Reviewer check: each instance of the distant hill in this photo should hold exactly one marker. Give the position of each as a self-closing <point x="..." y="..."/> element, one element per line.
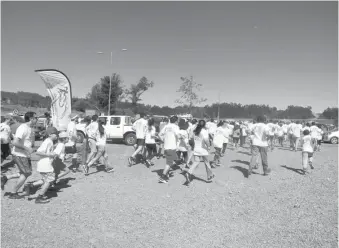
<point x="25" y="99"/>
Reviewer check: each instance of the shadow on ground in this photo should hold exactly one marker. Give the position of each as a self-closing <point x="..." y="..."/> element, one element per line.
<point x="299" y="171"/>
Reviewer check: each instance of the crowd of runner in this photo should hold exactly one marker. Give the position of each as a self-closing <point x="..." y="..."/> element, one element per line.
<point x="183" y="143"/>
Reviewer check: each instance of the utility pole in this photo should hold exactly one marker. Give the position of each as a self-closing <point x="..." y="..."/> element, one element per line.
<point x="218" y="106"/>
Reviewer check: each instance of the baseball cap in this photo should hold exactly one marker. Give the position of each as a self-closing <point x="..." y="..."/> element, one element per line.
<point x="63" y="134"/>
<point x="51" y="130"/>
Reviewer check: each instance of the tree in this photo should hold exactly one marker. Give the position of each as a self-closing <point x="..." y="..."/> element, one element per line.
<point x="136" y="90"/>
<point x="330" y="113"/>
<point x="189" y="95"/>
<point x="99" y="95"/>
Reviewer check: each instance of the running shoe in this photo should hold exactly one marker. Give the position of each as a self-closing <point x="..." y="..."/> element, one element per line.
<point x="3" y="182"/>
<point x="15" y="196"/>
<point x="267" y="172"/>
<point x="41" y="200"/>
<point x="163" y="179"/>
<point x="311" y="165"/>
<point x="130" y="161"/>
<point x="110" y="170"/>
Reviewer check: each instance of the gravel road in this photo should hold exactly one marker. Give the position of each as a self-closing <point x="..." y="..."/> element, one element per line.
<point x="129" y="208"/>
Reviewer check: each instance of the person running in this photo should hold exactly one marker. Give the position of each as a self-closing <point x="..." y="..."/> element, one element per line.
<point x="183" y="145"/>
<point x="44" y="165"/>
<point x="218" y="141"/>
<point x="191" y="140"/>
<point x="243" y="131"/>
<point x="59" y="168"/>
<point x="307" y="150"/>
<point x="296" y="131"/>
<point x="162" y="124"/>
<point x="6" y="137"/>
<point x="236" y="135"/>
<point x="101" y="150"/>
<point x="227" y="132"/>
<point x="170" y="136"/>
<point x="260" y="145"/>
<point x="23" y="148"/>
<point x="92" y="131"/>
<point x="280" y="134"/>
<point x="271" y="133"/>
<point x="201" y="148"/>
<point x="320" y="133"/>
<point x="140" y="127"/>
<point x="211" y="127"/>
<point x="84" y="149"/>
<point x="150" y="142"/>
<point x="70" y="146"/>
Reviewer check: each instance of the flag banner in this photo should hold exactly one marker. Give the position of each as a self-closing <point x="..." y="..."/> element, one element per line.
<point x="60" y="91"/>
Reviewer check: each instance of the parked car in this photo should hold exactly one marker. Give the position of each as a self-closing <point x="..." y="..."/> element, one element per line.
<point x="331" y="136"/>
<point x="116" y="127"/>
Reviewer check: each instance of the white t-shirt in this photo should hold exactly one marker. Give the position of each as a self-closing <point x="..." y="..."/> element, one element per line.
<point x="60" y="151"/>
<point x="243" y="130"/>
<point x="101" y="139"/>
<point x="25" y="135"/>
<point x="72" y="133"/>
<point x="149" y="134"/>
<point x="183" y="140"/>
<point x="260" y="133"/>
<point x="45" y="164"/>
<point x="227" y="132"/>
<point x="140" y="127"/>
<point x="307" y="143"/>
<point x="279" y="131"/>
<point x="200" y="147"/>
<point x="296" y="129"/>
<point x="170" y="135"/>
<point x="231" y="128"/>
<point x="285" y="128"/>
<point x="92" y="130"/>
<point x="271" y="128"/>
<point x="220" y="136"/>
<point x="5" y="133"/>
<point x="212" y="127"/>
<point x="290" y="128"/>
<point x="316" y="132"/>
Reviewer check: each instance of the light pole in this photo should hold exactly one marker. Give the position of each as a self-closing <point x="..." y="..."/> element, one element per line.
<point x="110" y="82"/>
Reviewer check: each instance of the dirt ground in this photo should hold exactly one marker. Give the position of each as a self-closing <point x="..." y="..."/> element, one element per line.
<point x="129" y="208"/>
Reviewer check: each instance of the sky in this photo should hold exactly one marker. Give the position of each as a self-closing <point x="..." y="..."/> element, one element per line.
<point x="275" y="53"/>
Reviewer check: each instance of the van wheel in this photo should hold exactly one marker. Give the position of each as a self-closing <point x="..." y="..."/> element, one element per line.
<point x="334" y="140"/>
<point x="130" y="139"/>
<point x="80" y="137"/>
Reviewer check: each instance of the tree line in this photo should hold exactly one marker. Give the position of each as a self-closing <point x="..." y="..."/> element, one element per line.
<point x="128" y="101"/>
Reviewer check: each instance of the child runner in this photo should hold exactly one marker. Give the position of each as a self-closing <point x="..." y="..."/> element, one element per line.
<point x="307" y="150"/>
<point x="23" y="148"/>
<point x="150" y="142"/>
<point x="170" y="135"/>
<point x="201" y="148"/>
<point x="218" y="141"/>
<point x="59" y="167"/>
<point x="140" y="127"/>
<point x="44" y="165"/>
<point x="101" y="150"/>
